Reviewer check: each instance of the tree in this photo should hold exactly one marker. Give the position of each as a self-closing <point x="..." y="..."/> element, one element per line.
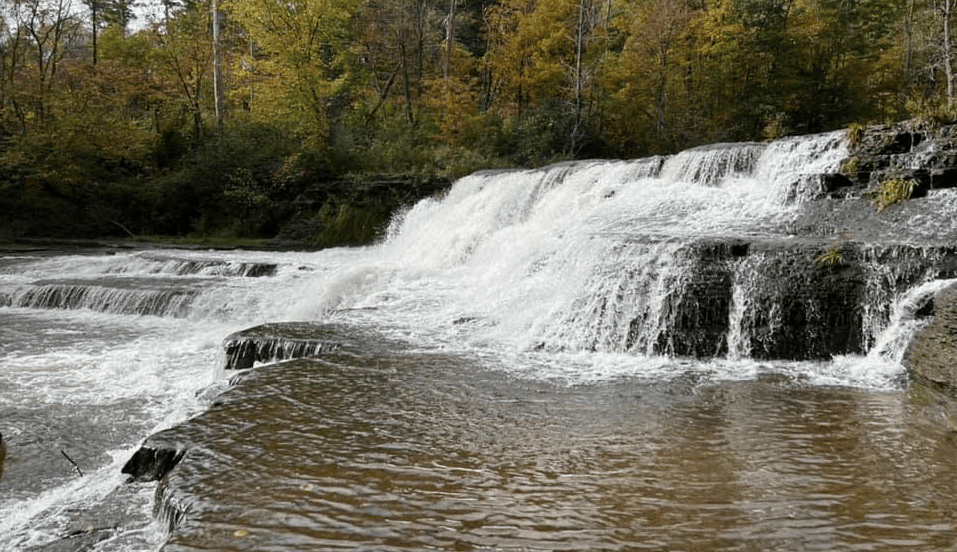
<point x="13" y="57"/>
<point x="945" y="8"/>
<point x="48" y="25"/>
<point x="647" y="83"/>
<point x="303" y="64"/>
<point x="184" y="50"/>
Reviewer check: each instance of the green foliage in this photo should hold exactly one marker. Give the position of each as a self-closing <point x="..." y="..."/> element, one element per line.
<point x="855" y="133"/>
<point x="892" y="191"/>
<point x="541" y="136"/>
<point x="930" y="111"/>
<point x="228" y="185"/>
<point x="850" y="165"/>
<point x="350" y="224"/>
<point x="832" y="258"/>
<point x="456" y="162"/>
<point x="308" y="67"/>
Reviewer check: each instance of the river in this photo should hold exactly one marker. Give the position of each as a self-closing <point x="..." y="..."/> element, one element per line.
<point x="508" y="386"/>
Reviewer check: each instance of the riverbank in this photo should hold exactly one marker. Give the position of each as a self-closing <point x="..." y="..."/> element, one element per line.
<point x="61" y="245"/>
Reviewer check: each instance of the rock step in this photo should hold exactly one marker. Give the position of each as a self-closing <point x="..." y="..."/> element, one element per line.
<point x="152" y="461"/>
<point x="279" y="341"/>
<point x="163" y="451"/>
<point x="911" y="150"/>
<point x="790" y="299"/>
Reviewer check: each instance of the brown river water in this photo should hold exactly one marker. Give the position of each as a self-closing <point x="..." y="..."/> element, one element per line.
<point x="430" y="452"/>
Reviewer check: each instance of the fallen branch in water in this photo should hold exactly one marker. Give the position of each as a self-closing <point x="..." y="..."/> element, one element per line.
<point x="78" y="470"/>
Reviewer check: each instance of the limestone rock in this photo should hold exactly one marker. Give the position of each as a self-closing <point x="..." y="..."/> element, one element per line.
<point x="932" y="355"/>
<point x="279" y="341"/>
<point x="910" y="150"/>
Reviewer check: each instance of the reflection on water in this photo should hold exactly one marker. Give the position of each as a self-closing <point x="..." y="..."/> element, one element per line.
<point x="424" y="451"/>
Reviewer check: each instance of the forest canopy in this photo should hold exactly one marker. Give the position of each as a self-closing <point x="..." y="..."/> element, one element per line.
<point x="201" y="115"/>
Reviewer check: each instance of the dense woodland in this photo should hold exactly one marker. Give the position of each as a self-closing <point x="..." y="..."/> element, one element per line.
<point x="188" y="117"/>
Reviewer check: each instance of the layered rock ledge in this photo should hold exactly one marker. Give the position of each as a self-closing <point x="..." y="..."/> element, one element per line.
<point x="279" y="341"/>
<point x="912" y="150"/>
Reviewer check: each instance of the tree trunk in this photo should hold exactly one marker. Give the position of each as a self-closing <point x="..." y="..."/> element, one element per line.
<point x="449" y="39"/>
<point x="579" y="77"/>
<point x="94" y="8"/>
<point x="946" y="10"/>
<point x="218" y="92"/>
<point x="407" y="89"/>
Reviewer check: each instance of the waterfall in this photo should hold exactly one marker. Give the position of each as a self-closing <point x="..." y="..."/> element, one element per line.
<point x="618" y="256"/>
<point x="688" y="255"/>
<point x="199" y="263"/>
<point x="709" y="165"/>
<point x="905" y="320"/>
<point x="794" y="166"/>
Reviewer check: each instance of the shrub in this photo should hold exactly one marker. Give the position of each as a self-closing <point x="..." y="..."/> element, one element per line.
<point x="832" y="258"/>
<point x="855" y="133"/>
<point x="850" y="165"/>
<point x="893" y="191"/>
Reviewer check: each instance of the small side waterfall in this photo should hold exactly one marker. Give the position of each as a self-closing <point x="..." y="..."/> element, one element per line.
<point x="907" y="315"/>
<point x="152" y="302"/>
<point x="147" y="284"/>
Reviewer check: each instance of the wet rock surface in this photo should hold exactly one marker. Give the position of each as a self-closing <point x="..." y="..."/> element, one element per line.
<point x="280" y="341"/>
<point x="931" y="357"/>
<point x="910" y="151"/>
<point x="913" y="150"/>
<point x="805" y="296"/>
<point x="162" y="452"/>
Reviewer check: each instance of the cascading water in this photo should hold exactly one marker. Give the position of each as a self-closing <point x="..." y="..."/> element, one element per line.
<point x="96" y="352"/>
<point x="688" y="255"/>
<point x="579" y="272"/>
<point x="597" y="256"/>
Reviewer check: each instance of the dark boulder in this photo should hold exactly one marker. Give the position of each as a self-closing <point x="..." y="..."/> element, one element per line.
<point x="153" y="460"/>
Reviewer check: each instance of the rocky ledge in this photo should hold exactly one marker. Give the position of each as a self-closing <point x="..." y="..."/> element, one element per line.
<point x="279" y="341"/>
<point x="912" y="150"/>
<point x="931" y="357"/>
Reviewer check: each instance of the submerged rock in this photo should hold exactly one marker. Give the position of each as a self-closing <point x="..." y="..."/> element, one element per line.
<point x="931" y="357"/>
<point x="163" y="451"/>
